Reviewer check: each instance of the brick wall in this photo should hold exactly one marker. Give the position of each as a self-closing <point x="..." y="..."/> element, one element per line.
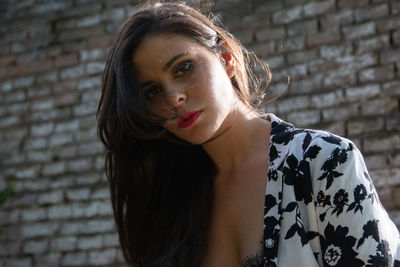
<point x="342" y="56"/>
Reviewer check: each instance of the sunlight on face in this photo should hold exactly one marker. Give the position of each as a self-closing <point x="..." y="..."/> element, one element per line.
<point x="178" y="76"/>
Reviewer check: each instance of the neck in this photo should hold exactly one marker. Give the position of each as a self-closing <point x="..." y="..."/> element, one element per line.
<point x="244" y="133"/>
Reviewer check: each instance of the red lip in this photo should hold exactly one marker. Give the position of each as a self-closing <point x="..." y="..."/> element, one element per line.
<point x="188" y="119"/>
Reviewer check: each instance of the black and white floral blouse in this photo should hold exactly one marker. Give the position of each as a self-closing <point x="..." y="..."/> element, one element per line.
<point x="321" y="208"/>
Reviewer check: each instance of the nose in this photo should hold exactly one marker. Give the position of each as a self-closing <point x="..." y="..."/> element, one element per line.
<point x="175" y="96"/>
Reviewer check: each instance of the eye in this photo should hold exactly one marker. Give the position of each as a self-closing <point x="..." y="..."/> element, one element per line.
<point x="151" y="93"/>
<point x="183" y="68"/>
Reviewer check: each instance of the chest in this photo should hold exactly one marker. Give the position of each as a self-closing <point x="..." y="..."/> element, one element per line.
<point x="237" y="222"/>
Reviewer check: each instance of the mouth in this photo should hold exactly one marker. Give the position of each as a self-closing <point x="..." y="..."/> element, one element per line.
<point x="188" y="119"/>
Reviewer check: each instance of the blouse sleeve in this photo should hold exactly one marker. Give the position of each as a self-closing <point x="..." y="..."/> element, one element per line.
<point x="353" y="227"/>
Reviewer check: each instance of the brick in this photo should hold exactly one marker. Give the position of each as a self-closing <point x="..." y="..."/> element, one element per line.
<point x="89" y="83"/>
<point x="386" y="197"/>
<point x="318" y="39"/>
<point x="112" y="14"/>
<point x="39" y="229"/>
<point x="53" y="197"/>
<point x="62" y="182"/>
<point x="270" y="34"/>
<point x="305" y="118"/>
<point x="263" y="49"/>
<point x="42" y="104"/>
<point x="390" y="56"/>
<point x="65" y="86"/>
<point x="342" y="17"/>
<point x="385" y="177"/>
<point x="110" y="240"/>
<point x="382" y="144"/>
<point x="393" y="121"/>
<point x="292" y="44"/>
<point x="293" y="103"/>
<point x="394" y="159"/>
<point x="64" y="243"/>
<point x="74" y="259"/>
<point x="339" y="78"/>
<point x="88" y="21"/>
<point x="67" y="99"/>
<point x="32" y="215"/>
<point x="48" y="7"/>
<point x="48" y="260"/>
<point x="92" y="55"/>
<point x="86" y="135"/>
<point x="9" y="248"/>
<point x="297" y="71"/>
<point x="88" y="227"/>
<point x="276" y="62"/>
<point x="327" y="100"/>
<point x="374" y="162"/>
<point x="380" y="106"/>
<point x="10" y="217"/>
<point x="301" y="56"/>
<point x="336" y="128"/>
<point x="35" y="246"/>
<point x="105" y="256"/>
<point x="388" y="24"/>
<point x="85" y="243"/>
<point x="43" y="129"/>
<point x="95" y="68"/>
<point x="396" y="37"/>
<point x="6" y="86"/>
<point x="356" y="127"/>
<point x="65" y="61"/>
<point x="359" y="31"/>
<point x="374" y="43"/>
<point x="67" y="126"/>
<point x="99" y="163"/>
<point x="78" y="194"/>
<point x="35" y="92"/>
<point x="246" y="36"/>
<point x="340" y="113"/>
<point x="35" y="143"/>
<point x="299" y="28"/>
<point x="306" y="85"/>
<point x="321" y="65"/>
<point x="352" y="3"/>
<point x="377" y="74"/>
<point x="15" y="97"/>
<point x="27" y="172"/>
<point x="363" y="92"/>
<point x="66" y="152"/>
<point x="79" y="165"/>
<point x="31" y="185"/>
<point x="287" y="16"/>
<point x="102" y="193"/>
<point x="79" y="34"/>
<point x="23" y="82"/>
<point x="22" y="262"/>
<point x="56" y="212"/>
<point x="333" y="51"/>
<point x="318" y="8"/>
<point x="60" y="139"/>
<point x="371" y="13"/>
<point x="54" y="168"/>
<point x="72" y="72"/>
<point x="85" y="109"/>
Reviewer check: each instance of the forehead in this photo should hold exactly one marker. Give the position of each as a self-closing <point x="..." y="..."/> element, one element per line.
<point x="160" y="48"/>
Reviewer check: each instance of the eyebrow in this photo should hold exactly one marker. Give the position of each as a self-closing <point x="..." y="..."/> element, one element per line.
<point x="172" y="60"/>
<point x="166" y="67"/>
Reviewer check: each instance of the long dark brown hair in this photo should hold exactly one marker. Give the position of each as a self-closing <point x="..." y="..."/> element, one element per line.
<point x="161" y="190"/>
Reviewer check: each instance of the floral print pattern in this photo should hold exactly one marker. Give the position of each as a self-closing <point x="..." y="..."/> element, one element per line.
<point x="321" y="208"/>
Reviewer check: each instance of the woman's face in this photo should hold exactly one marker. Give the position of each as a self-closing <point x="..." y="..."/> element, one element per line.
<point x="180" y="77"/>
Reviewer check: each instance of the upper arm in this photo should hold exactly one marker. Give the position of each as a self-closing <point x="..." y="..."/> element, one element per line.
<point x="354" y="228"/>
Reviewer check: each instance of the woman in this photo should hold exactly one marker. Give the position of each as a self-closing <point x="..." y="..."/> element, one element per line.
<point x="199" y="178"/>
